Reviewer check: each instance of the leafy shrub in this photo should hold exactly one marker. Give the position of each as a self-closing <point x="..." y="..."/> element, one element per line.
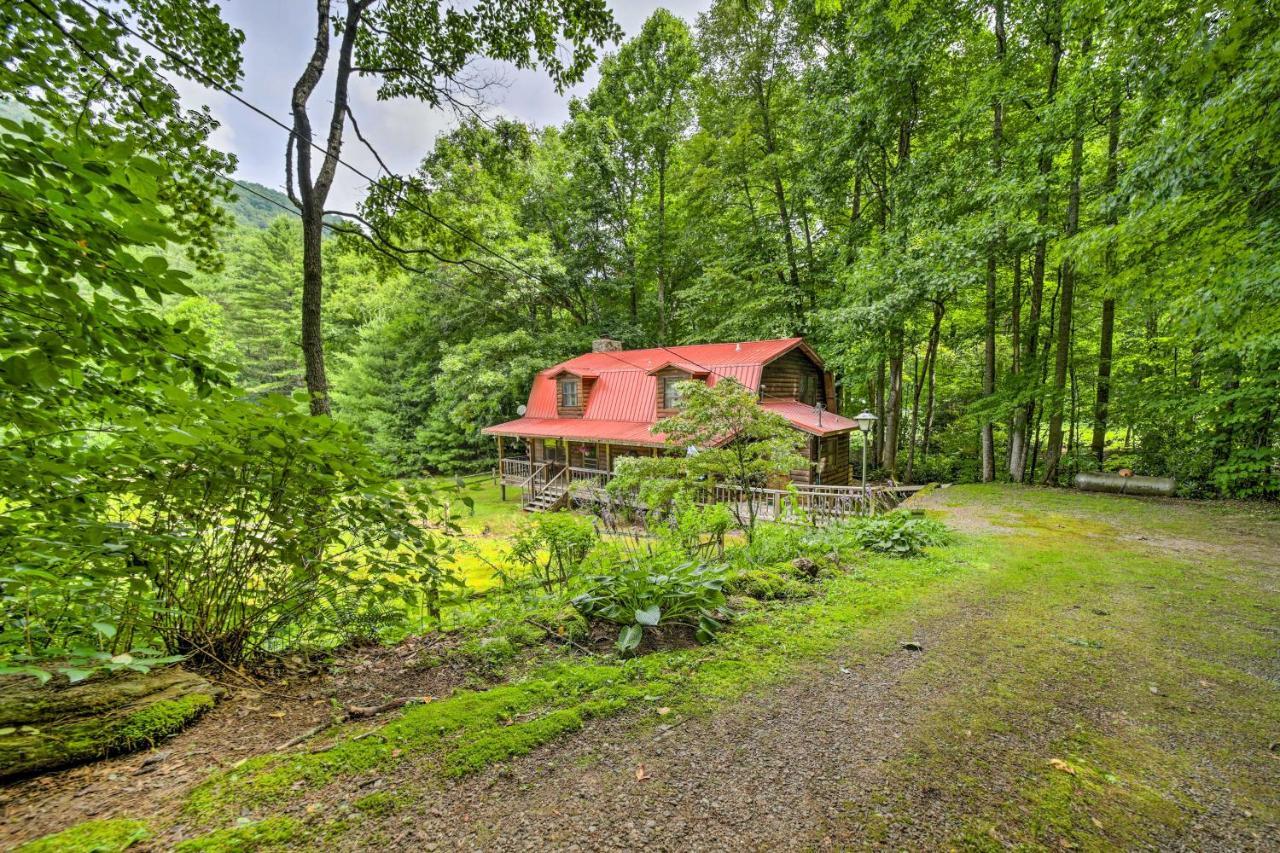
<point x="229" y="524"/>
<point x="361" y="619"/>
<point x="897" y="533"/>
<point x="551" y="549"/>
<point x="639" y="596"/>
<point x="698" y="530"/>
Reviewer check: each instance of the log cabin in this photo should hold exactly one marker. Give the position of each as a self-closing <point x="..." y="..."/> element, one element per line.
<point x="586" y="413"/>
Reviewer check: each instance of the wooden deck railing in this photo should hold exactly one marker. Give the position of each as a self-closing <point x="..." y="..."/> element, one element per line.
<point x="807" y="504"/>
<point x="515" y="469"/>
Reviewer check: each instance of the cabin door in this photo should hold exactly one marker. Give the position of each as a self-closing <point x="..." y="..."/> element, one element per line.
<point x="556" y="454"/>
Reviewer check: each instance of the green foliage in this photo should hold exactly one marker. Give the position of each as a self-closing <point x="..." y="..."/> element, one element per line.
<point x="897" y="533"/>
<point x="73" y="68"/>
<point x="551" y="548"/>
<point x="259" y="292"/>
<point x="727" y="439"/>
<point x="698" y="530"/>
<point x="92" y="836"/>
<point x="145" y="504"/>
<point x="639" y="595"/>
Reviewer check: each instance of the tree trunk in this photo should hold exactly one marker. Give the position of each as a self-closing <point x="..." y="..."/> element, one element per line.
<point x="988" y="450"/>
<point x="915" y="413"/>
<point x="1066" y="306"/>
<point x="878" y="444"/>
<point x="988" y="442"/>
<point x="1019" y="440"/>
<point x="780" y="198"/>
<point x="893" y="406"/>
<point x="313" y="190"/>
<point x="1044" y="375"/>
<point x="930" y="370"/>
<point x="101" y="716"/>
<point x="662" y="248"/>
<point x="1103" y="400"/>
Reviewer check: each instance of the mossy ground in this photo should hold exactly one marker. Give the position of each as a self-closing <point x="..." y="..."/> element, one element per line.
<point x="1094" y="689"/>
<point x="94" y="836"/>
<point x="273" y="833"/>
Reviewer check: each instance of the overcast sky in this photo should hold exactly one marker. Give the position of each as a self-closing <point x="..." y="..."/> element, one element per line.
<point x="278" y="39"/>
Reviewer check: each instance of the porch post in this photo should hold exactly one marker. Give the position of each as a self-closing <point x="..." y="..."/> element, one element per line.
<point x="502" y="480"/>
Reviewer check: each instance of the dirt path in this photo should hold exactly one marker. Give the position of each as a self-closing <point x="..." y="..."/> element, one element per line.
<point x="771" y="772"/>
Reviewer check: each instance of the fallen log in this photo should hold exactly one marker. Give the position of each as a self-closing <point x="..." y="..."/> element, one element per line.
<point x="1120" y="484"/>
<point x="44" y="727"/>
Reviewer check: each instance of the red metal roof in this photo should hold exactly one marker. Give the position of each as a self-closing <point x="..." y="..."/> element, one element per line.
<point x="622" y="404"/>
<point x="580" y="429"/>
<point x="805" y="417"/>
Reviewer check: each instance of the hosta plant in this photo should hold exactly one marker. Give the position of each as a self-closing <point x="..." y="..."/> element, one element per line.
<point x="639" y="597"/>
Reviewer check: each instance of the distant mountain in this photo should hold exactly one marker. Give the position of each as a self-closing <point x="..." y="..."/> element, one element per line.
<point x="253" y="209"/>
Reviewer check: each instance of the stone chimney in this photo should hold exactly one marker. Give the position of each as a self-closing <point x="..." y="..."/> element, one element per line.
<point x="606" y="344"/>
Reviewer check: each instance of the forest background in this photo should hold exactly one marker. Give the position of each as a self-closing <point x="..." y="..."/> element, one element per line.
<point x="1033" y="237"/>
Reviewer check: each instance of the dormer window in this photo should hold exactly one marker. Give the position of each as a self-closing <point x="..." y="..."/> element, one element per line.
<point x="670" y="393"/>
<point x="568" y="393"/>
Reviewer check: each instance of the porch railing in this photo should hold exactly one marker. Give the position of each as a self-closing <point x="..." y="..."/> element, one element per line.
<point x="810" y="504"/>
<point x="515" y="469"/>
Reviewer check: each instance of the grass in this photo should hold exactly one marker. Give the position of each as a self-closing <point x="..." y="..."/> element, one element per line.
<point x="487" y="527"/>
<point x="1107" y="695"/>
<point x="1088" y="688"/>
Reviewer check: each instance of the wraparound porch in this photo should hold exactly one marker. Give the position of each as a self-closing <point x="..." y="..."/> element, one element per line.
<point x="546" y="486"/>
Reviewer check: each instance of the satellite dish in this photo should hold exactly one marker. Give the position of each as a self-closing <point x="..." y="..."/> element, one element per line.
<point x="521" y="409"/>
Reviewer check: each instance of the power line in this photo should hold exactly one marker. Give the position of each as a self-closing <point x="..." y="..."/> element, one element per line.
<point x="401" y="196"/>
<point x="98" y="60"/>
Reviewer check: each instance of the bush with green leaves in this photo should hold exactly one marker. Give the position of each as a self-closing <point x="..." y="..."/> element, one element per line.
<point x="640" y="595"/>
<point x="698" y="530"/>
<point x="549" y="550"/>
<point x="898" y="533"/>
<point x="230" y="524"/>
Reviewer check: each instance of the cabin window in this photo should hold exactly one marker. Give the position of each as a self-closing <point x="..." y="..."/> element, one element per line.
<point x="809" y="389"/>
<point x="568" y="393"/>
<point x="670" y="394"/>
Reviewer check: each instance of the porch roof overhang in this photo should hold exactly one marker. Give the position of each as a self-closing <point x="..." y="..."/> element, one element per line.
<point x="806" y="419"/>
<point x="580" y="429"/>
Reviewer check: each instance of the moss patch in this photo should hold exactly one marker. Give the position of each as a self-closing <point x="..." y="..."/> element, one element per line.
<point x="269" y="834"/>
<point x="379" y="803"/>
<point x="160" y="720"/>
<point x="94" y="836"/>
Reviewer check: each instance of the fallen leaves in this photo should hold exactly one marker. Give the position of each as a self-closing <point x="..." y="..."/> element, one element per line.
<point x="1059" y="764"/>
<point x="641" y="775"/>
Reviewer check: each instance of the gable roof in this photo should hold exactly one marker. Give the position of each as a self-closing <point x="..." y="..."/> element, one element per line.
<point x="622" y="405"/>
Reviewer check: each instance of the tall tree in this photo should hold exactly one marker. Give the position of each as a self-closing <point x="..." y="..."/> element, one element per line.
<point x="415" y="49"/>
<point x="646" y="89"/>
<point x="988" y="449"/>
<point x="1067" y="272"/>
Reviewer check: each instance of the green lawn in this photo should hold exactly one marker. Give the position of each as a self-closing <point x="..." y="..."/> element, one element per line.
<point x="487" y="529"/>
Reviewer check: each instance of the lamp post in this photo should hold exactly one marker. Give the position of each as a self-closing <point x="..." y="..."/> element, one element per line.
<point x="866" y="422"/>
